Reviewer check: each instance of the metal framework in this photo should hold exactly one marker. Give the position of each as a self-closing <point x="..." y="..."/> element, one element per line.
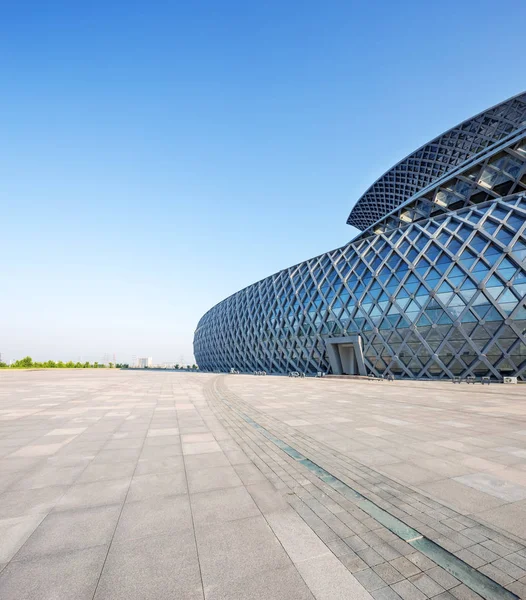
<point x="433" y="289"/>
<point x="438" y="157"/>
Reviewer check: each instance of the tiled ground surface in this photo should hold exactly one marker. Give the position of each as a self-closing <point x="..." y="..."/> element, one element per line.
<point x="151" y="485"/>
<point x="448" y="460"/>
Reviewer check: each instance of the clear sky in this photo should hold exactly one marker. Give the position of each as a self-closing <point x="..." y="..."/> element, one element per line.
<point x="156" y="157"/>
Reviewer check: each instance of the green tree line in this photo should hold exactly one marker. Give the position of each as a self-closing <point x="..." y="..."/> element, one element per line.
<point x="28" y="363"/>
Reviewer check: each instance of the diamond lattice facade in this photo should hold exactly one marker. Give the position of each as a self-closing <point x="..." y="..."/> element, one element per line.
<point x="440" y="156"/>
<point x="433" y="287"/>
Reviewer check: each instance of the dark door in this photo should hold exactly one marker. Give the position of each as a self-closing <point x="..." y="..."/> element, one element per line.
<point x="348" y="359"/>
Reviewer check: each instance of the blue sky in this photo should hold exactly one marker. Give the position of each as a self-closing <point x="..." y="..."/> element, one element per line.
<point x="158" y="156"/>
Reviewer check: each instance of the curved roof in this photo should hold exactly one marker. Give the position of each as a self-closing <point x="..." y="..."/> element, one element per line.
<point x="436" y="158"/>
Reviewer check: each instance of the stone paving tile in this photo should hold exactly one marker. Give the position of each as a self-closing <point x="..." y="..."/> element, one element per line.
<point x="160" y="452"/>
<point x="471" y="559"/>
<point x="205" y="480"/>
<point x="154" y="516"/>
<point x="205" y="461"/>
<point x="19" y="503"/>
<point x="385" y="593"/>
<point x="517" y="559"/>
<point x="14" y="533"/>
<point x="388" y="573"/>
<point x="328" y="579"/>
<point x="98" y="493"/>
<point x="370" y="580"/>
<point x="406" y="567"/>
<point x="163" y="440"/>
<point x="421" y="561"/>
<point x="48" y="476"/>
<point x="371" y="557"/>
<point x="153" y="431"/>
<point x="406" y="590"/>
<point x="236" y="549"/>
<point x="496" y="548"/>
<point x="152" y="485"/>
<point x="484" y="553"/>
<point x="356" y="543"/>
<point x="518" y="588"/>
<point x="281" y="584"/>
<point x="387" y="551"/>
<point x="442" y="577"/>
<point x="200" y="447"/>
<point x="509" y="568"/>
<point x="462" y="592"/>
<point x="116" y="456"/>
<point x="249" y="473"/>
<point x="101" y="472"/>
<point x="223" y="505"/>
<point x="496" y="574"/>
<point x="71" y="530"/>
<point x="161" y="465"/>
<point x="426" y="585"/>
<point x="339" y="547"/>
<point x="68" y="576"/>
<point x="353" y="563"/>
<point x="266" y="497"/>
<point x="144" y="569"/>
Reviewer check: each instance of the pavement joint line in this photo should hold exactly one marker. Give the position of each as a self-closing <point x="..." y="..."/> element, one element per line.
<point x="184" y="459"/>
<point x="120" y="515"/>
<point x="475" y="580"/>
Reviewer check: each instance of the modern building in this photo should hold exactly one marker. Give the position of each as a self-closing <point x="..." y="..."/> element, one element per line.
<point x="432" y="287"/>
<point x="144" y="363"/>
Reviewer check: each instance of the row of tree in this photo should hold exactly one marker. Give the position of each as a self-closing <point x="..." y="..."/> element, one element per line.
<point x="28" y="363"/>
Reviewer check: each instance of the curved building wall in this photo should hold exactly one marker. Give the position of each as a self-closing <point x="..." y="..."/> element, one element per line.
<point x="440" y="298"/>
<point x="435" y="289"/>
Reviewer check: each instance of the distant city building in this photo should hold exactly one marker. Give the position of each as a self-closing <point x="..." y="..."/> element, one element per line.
<point x="145" y="362"/>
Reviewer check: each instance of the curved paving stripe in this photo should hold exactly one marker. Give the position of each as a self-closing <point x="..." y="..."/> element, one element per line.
<point x="475" y="580"/>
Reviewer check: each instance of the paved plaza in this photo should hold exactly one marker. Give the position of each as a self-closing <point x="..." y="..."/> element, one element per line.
<point x="159" y="485"/>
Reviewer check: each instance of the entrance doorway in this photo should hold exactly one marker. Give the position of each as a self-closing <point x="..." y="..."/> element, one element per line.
<point x="345" y="355"/>
<point x="348" y="359"/>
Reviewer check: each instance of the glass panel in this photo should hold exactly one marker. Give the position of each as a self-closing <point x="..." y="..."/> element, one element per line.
<point x="504" y="236"/>
<point x="489" y="178"/>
